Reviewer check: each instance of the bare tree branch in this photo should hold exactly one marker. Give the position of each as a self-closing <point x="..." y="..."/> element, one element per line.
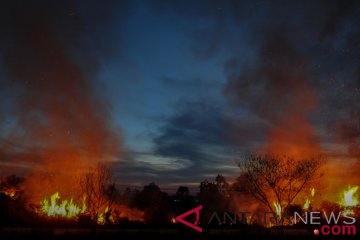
<point x="273" y="178"/>
<point x="99" y="189"/>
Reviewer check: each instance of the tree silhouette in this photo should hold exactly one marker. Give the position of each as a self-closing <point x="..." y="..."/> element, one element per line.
<point x="154" y="203"/>
<point x="100" y="190"/>
<point x="273" y="179"/>
<point x="182" y="191"/>
<point x="215" y="196"/>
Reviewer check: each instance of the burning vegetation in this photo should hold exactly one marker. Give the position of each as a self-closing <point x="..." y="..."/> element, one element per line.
<point x="60" y="123"/>
<point x="349" y="200"/>
<point x="12" y="187"/>
<point x="349" y="197"/>
<point x="52" y="207"/>
<point x="308" y="200"/>
<point x="151" y="206"/>
<point x="98" y="201"/>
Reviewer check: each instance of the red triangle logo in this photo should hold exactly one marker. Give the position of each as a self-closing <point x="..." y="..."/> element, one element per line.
<point x="181" y="217"/>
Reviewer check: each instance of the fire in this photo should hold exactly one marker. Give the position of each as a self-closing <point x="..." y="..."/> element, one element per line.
<point x="277" y="208"/>
<point x="312" y="191"/>
<point x="349" y="197"/>
<point x="101" y="220"/>
<point x="54" y="207"/>
<point x="67" y="208"/>
<point x="11" y="193"/>
<point x="307" y="203"/>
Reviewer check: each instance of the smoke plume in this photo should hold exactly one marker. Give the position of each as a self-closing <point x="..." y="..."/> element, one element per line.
<point x="60" y="126"/>
<point x="277" y="90"/>
<point x="303" y="86"/>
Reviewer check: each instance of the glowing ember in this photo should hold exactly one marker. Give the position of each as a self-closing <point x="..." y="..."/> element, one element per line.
<point x="67" y="208"/>
<point x="277" y="208"/>
<point x="349" y="197"/>
<point x="11" y="193"/>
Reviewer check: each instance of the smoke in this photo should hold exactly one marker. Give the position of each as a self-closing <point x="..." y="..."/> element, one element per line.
<point x="302" y="85"/>
<point x="60" y="126"/>
<point x="277" y="90"/>
<point x="348" y="132"/>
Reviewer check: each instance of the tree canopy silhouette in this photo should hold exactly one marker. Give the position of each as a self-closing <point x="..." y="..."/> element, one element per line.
<point x="278" y="180"/>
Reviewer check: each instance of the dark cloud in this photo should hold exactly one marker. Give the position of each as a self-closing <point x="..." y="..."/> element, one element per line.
<point x="333" y="16"/>
<point x="203" y="136"/>
<point x="137" y="173"/>
<point x="190" y="134"/>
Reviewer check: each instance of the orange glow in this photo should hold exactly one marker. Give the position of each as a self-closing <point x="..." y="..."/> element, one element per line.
<point x="11" y="193"/>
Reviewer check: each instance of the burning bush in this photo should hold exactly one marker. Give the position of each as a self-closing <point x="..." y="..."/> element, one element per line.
<point x="98" y="203"/>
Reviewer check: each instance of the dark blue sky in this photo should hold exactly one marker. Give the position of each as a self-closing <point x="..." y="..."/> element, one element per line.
<point x="191" y="85"/>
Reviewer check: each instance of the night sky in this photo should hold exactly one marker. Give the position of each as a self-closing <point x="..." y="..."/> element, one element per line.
<point x="186" y="86"/>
